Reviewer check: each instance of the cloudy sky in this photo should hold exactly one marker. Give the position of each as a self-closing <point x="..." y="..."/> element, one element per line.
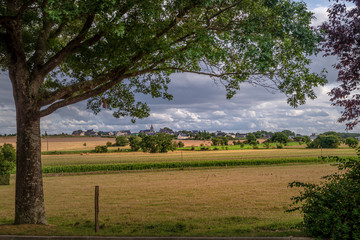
<point x="200" y="104"/>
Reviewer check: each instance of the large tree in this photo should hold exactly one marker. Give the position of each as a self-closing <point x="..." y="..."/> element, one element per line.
<point x="342" y="39"/>
<point x="59" y="52"/>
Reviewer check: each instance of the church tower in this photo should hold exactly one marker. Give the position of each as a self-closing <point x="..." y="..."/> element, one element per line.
<point x="152" y="129"/>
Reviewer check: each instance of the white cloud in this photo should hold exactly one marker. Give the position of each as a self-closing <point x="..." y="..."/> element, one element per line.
<point x="320" y="14"/>
<point x="219" y="113"/>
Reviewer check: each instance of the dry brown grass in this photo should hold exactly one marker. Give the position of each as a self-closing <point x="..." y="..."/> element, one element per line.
<point x="65" y="143"/>
<point x="227" y="201"/>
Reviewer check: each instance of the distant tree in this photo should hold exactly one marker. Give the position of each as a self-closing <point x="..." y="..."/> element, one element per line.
<point x="306" y="139"/>
<point x="258" y="134"/>
<point x="135" y="143"/>
<point x="298" y="139"/>
<point x="250" y="137"/>
<point x="352" y="142"/>
<point x="288" y="133"/>
<point x="280" y="137"/>
<point x="202" y="135"/>
<point x="330" y="133"/>
<point x="121" y="141"/>
<point x="157" y="143"/>
<point x="325" y="141"/>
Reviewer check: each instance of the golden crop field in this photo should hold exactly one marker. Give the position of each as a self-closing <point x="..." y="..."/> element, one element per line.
<point x="206" y="202"/>
<point x="65" y="143"/>
<point x="177" y="156"/>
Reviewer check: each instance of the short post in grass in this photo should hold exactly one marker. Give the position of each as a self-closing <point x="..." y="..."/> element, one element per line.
<point x="96" y="208"/>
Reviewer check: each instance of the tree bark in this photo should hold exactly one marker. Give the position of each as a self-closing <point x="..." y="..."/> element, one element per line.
<point x="29" y="199"/>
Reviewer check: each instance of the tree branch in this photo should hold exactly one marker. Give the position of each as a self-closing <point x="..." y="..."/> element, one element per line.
<point x="68" y="49"/>
<point x="40" y="49"/>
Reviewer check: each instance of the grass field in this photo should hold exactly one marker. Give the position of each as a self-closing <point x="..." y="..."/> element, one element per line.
<point x="246" y="201"/>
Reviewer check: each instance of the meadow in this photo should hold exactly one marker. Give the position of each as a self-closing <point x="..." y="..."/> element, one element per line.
<point x="247" y="201"/>
<point x="182" y="193"/>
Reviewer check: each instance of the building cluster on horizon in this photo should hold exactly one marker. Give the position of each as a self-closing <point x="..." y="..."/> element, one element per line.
<point x="181" y="135"/>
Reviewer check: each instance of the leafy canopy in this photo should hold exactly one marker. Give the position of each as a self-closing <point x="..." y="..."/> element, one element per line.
<point x="342" y="33"/>
<point x="110" y="50"/>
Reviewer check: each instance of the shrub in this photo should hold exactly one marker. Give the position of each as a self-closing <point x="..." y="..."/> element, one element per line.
<point x="7" y="162"/>
<point x="180" y="144"/>
<point x="84" y="144"/>
<point x="255" y="147"/>
<point x="192" y="148"/>
<point x="279" y="146"/>
<point x="267" y="144"/>
<point x="109" y="144"/>
<point x="332" y="208"/>
<point x="121" y="141"/>
<point x="101" y="149"/>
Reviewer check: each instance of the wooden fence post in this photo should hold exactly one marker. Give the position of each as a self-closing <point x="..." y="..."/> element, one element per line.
<point x="96" y="208"/>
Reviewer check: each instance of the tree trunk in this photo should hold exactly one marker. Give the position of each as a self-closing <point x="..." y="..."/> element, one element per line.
<point x="29" y="199"/>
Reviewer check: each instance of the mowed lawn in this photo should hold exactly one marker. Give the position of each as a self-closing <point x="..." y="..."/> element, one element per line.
<point x="177" y="156"/>
<point x="247" y="201"/>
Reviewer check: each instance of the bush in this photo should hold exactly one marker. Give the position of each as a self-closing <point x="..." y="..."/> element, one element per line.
<point x="332" y="208"/>
<point x="109" y="144"/>
<point x="101" y="149"/>
<point x="180" y="144"/>
<point x="279" y="146"/>
<point x="7" y="158"/>
<point x="121" y="141"/>
<point x="192" y="148"/>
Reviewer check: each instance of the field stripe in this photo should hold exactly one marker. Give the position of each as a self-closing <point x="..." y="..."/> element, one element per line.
<point x="192" y="164"/>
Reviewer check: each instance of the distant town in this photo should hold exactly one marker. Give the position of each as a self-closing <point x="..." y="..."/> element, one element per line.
<point x="193" y="134"/>
<point x="185" y="134"/>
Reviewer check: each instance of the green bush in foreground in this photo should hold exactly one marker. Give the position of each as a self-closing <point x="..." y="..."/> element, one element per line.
<point x="332" y="209"/>
<point x="7" y="163"/>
